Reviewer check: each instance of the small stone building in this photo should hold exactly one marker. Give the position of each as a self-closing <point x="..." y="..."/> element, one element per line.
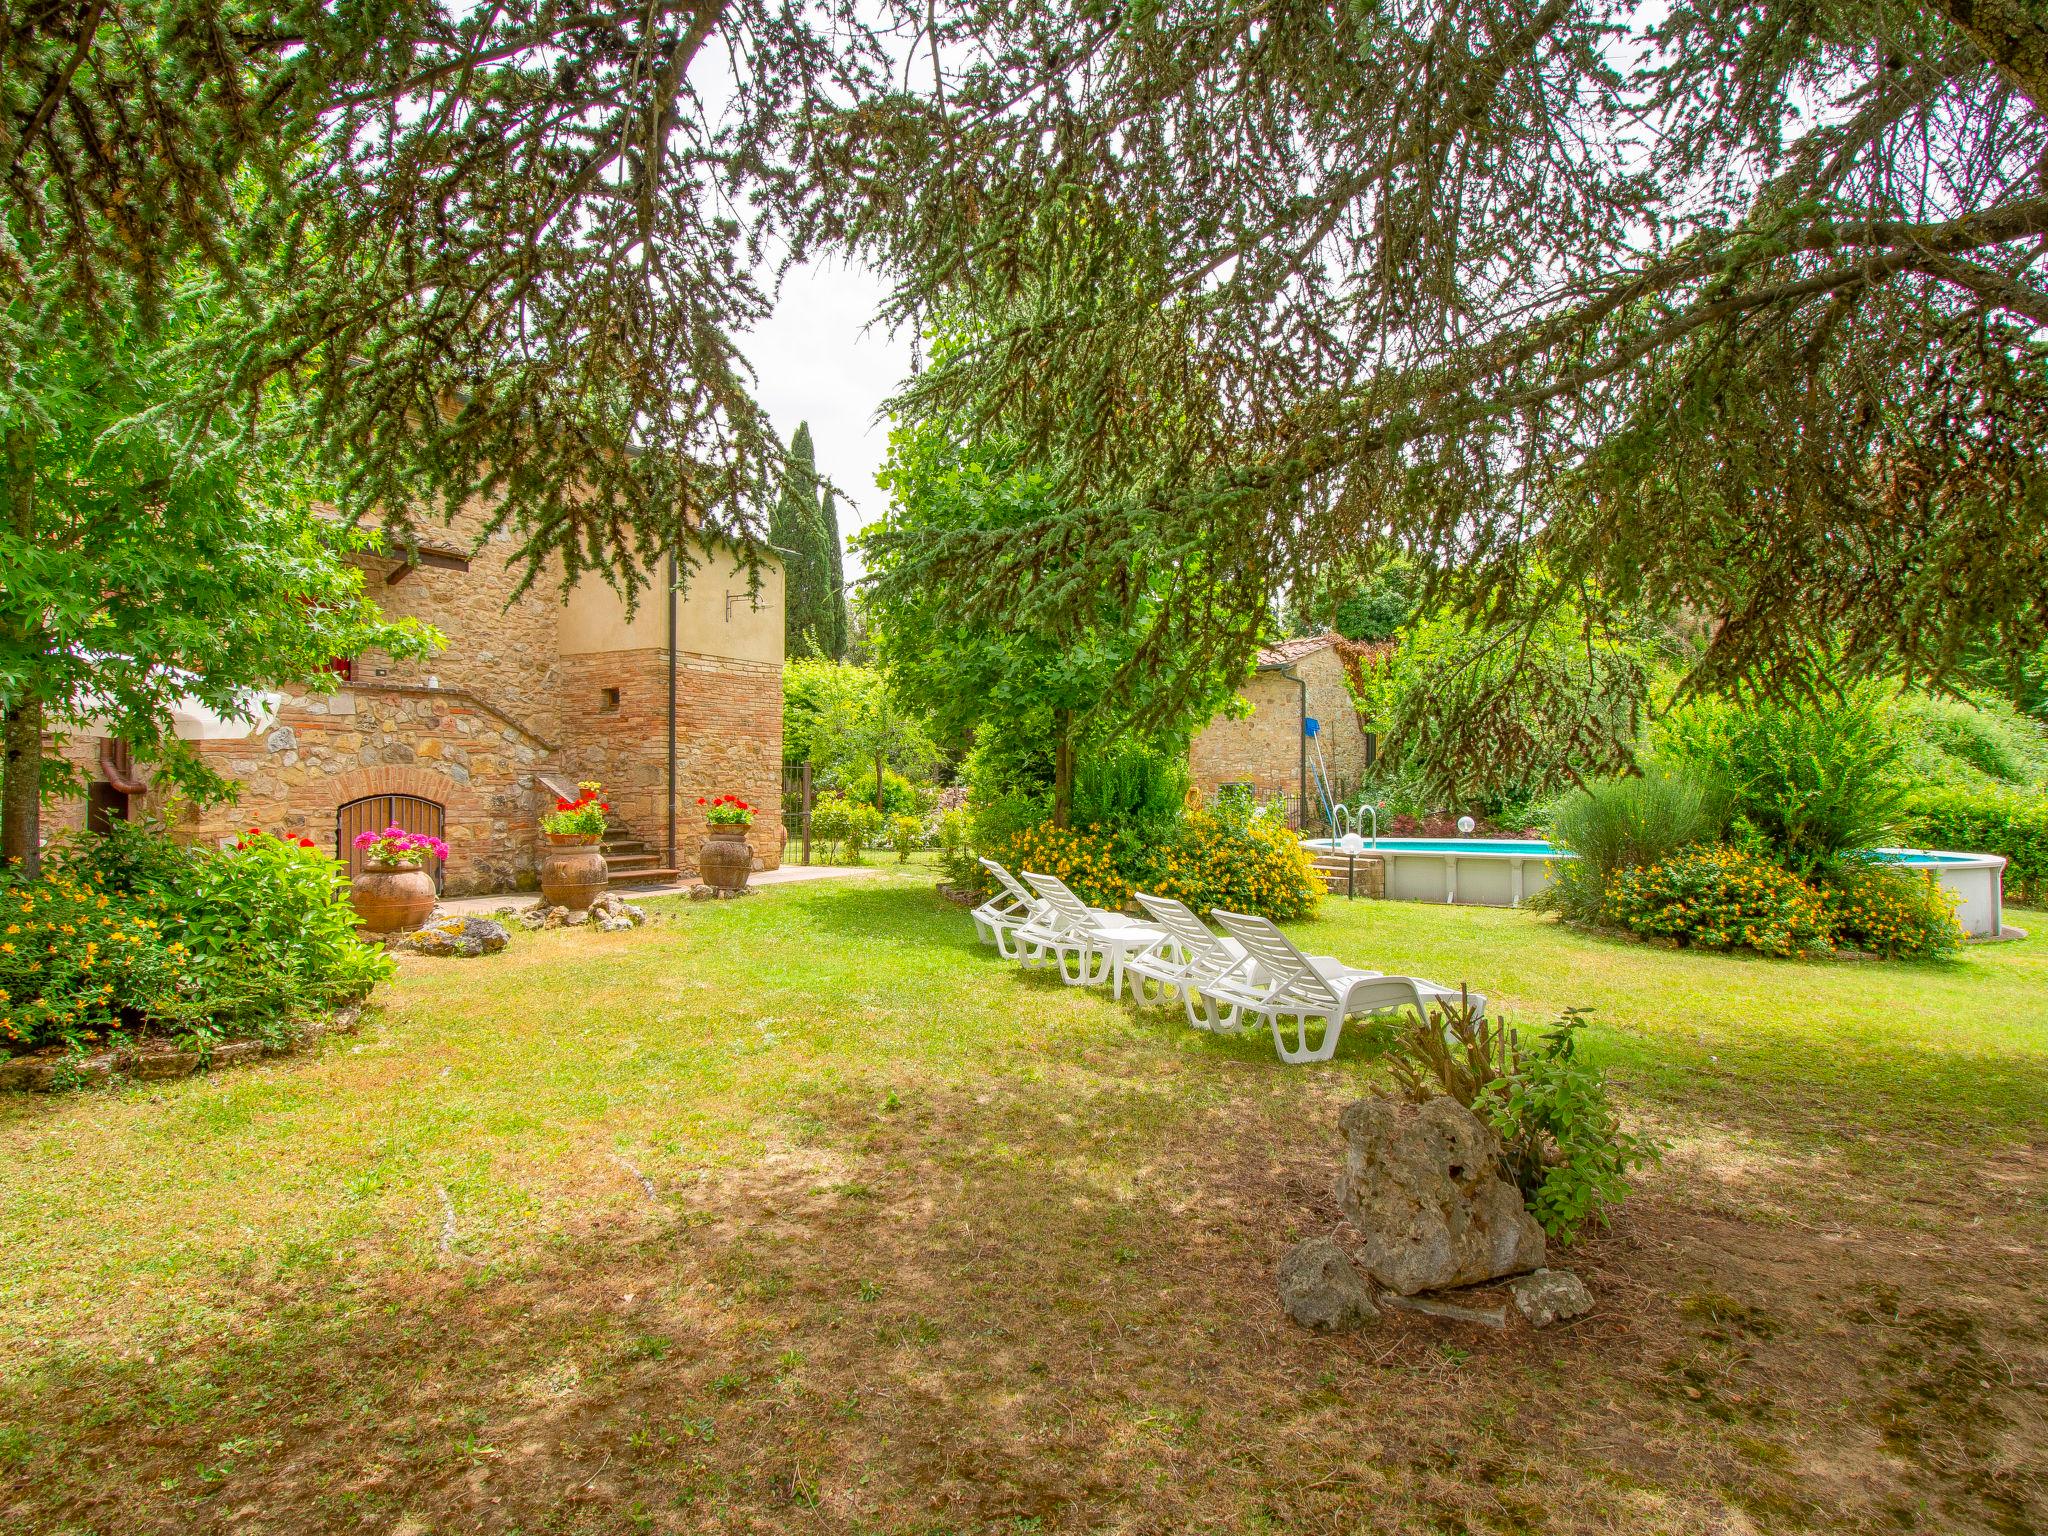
<point x="533" y="693"/>
<point x="1268" y="749"/>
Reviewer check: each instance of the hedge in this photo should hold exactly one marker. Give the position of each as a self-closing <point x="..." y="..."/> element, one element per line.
<point x="2008" y="821"/>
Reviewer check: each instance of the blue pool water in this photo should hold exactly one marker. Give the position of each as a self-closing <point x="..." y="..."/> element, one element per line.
<point x="1527" y="848"/>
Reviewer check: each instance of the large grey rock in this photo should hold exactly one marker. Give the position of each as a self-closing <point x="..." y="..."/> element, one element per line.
<point x="1551" y="1296"/>
<point x="461" y="938"/>
<point x="1321" y="1288"/>
<point x="1422" y="1183"/>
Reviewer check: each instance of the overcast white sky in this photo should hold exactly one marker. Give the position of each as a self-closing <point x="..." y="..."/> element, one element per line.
<point x="816" y="363"/>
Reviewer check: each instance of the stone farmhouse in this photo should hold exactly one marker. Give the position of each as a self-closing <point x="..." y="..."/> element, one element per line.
<point x="680" y="699"/>
<point x="1268" y="750"/>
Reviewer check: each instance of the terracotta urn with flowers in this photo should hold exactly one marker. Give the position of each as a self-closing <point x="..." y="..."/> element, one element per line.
<point x="395" y="892"/>
<point x="573" y="872"/>
<point x="725" y="861"/>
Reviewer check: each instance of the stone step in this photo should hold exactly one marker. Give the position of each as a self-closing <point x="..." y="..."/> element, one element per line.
<point x="632" y="860"/>
<point x="1336" y="873"/>
<point x="638" y="876"/>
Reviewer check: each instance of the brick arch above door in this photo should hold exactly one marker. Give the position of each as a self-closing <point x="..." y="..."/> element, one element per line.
<point x="389" y="779"/>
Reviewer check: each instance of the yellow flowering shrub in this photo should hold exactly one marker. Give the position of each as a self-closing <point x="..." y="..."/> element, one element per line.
<point x="1897" y="913"/>
<point x="1230" y="857"/>
<point x="1086" y="860"/>
<point x="77" y="963"/>
<point x="1719" y="897"/>
<point x="1249" y="864"/>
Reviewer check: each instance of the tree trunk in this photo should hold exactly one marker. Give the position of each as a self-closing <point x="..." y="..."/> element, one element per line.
<point x="880" y="803"/>
<point x="21" y="798"/>
<point x="1062" y="767"/>
<point x="21" y="735"/>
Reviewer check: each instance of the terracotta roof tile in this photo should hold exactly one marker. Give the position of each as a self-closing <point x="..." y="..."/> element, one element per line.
<point x="1284" y="651"/>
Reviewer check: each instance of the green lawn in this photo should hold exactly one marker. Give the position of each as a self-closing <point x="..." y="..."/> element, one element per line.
<point x="805" y="1214"/>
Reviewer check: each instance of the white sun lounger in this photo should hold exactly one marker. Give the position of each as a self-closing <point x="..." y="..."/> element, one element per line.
<point x="997" y="920"/>
<point x="1281" y="982"/>
<point x="1089" y="944"/>
<point x="1182" y="960"/>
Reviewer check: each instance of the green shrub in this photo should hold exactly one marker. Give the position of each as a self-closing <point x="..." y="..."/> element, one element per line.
<point x="900" y="797"/>
<point x="841" y="828"/>
<point x="995" y="821"/>
<point x="1130" y="786"/>
<point x="2003" y="821"/>
<point x="1086" y="860"/>
<point x="1981" y="734"/>
<point x="1897" y="913"/>
<point x="906" y="836"/>
<point x="865" y="829"/>
<point x="78" y="963"/>
<point x="1560" y="1139"/>
<point x="130" y="931"/>
<point x="957" y="863"/>
<point x="1808" y="782"/>
<point x="1621" y="824"/>
<point x="270" y="929"/>
<point x="1721" y="898"/>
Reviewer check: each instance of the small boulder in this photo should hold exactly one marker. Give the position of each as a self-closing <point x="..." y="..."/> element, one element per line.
<point x="460" y="938"/>
<point x="1321" y="1288"/>
<point x="1551" y="1296"/>
<point x="1422" y="1183"/>
<point x="614" y="912"/>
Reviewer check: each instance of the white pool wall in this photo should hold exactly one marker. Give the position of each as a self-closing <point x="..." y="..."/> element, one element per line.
<point x="1517" y="871"/>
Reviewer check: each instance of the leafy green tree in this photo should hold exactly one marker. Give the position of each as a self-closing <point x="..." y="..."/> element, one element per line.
<point x="152" y="557"/>
<point x="811" y="686"/>
<point x="1363" y="594"/>
<point x="869" y="729"/>
<point x="1050" y="661"/>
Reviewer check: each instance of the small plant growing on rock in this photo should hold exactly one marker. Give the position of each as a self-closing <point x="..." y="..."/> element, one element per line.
<point x="1561" y="1143"/>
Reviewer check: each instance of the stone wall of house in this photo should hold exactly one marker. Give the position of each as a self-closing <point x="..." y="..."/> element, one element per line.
<point x="1264" y="749"/>
<point x="501" y="648"/>
<point x="1331" y="704"/>
<point x="518" y="691"/>
<point x="440" y="744"/>
<point x="729" y="742"/>
<point x="624" y="747"/>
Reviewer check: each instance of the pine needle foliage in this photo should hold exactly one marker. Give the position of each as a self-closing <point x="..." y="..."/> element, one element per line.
<point x="1733" y="307"/>
<point x="505" y="251"/>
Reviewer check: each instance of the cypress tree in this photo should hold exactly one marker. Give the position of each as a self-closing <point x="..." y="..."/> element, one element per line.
<point x="835" y="572"/>
<point x="794" y="526"/>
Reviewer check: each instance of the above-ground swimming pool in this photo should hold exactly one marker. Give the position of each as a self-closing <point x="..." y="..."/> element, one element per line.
<point x="1503" y="872"/>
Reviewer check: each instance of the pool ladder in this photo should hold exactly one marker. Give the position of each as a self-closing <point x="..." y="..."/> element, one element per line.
<point x="1346" y="819"/>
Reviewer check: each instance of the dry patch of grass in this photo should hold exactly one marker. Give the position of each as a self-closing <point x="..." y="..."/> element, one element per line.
<point x="799" y="1215"/>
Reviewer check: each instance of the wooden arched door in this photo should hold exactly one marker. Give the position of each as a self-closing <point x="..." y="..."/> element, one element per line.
<point x="373" y="813"/>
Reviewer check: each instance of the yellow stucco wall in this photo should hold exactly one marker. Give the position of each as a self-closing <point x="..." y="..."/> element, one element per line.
<point x="719" y="615"/>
